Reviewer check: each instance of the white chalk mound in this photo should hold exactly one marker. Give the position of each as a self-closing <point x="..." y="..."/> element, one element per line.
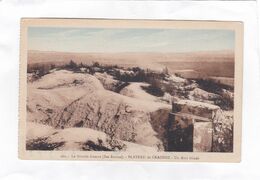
<point x="64" y="99"/>
<point x="76" y="139"/>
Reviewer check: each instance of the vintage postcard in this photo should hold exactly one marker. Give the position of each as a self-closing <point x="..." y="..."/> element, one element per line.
<point x="130" y="90"/>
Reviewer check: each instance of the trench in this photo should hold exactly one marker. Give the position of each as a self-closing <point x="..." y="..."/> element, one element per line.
<point x="159" y="122"/>
<point x="174" y="139"/>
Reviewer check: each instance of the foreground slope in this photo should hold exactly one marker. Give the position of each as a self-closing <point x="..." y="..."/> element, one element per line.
<point x="63" y="99"/>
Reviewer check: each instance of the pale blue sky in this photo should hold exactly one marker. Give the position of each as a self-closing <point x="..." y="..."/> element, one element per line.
<point x="128" y="40"/>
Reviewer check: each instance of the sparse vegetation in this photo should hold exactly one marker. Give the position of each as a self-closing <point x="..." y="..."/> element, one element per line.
<point x="211" y="86"/>
<point x="39" y="70"/>
<point x="154" y="90"/>
<point x="42" y="144"/>
<point x="72" y="66"/>
<point x="91" y="146"/>
<point x="225" y="102"/>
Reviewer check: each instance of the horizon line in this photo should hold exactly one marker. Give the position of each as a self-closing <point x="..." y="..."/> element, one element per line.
<point x="118" y="52"/>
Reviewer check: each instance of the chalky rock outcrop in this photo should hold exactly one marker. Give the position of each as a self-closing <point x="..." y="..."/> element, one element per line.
<point x="64" y="99"/>
<point x="203" y="96"/>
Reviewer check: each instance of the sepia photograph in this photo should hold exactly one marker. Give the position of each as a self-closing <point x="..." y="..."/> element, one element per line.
<point x="144" y="90"/>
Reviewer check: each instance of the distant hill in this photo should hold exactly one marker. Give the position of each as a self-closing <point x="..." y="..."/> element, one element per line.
<point x="133" y="57"/>
<point x="212" y="60"/>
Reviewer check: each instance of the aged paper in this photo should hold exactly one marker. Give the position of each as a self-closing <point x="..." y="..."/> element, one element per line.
<point x="138" y="90"/>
